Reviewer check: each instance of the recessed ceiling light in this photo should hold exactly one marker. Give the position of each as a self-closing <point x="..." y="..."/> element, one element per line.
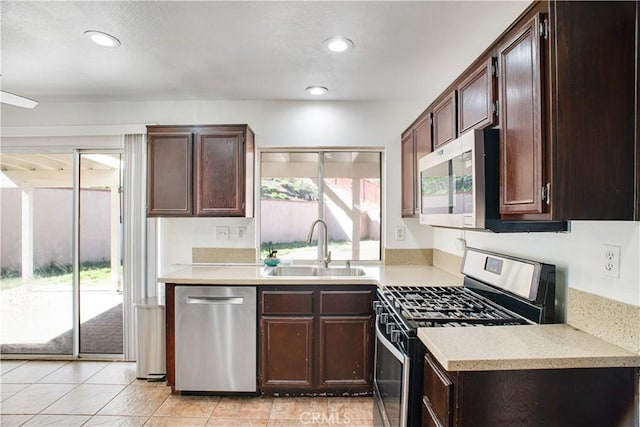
<point x="317" y="90"/>
<point x="103" y="39"/>
<point x="338" y="44"/>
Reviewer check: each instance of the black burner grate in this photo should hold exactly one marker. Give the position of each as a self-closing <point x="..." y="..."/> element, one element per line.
<point x="449" y="306"/>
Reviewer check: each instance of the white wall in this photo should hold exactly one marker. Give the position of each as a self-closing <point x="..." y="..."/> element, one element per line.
<point x="282" y="124"/>
<point x="287" y="124"/>
<point x="576" y="254"/>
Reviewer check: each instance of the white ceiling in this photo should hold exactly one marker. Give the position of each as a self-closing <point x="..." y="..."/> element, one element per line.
<point x="237" y="50"/>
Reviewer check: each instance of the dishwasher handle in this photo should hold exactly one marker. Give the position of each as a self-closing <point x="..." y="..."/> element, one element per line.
<point x="215" y="300"/>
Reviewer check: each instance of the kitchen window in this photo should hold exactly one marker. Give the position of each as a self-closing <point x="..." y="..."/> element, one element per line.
<point x="342" y="187"/>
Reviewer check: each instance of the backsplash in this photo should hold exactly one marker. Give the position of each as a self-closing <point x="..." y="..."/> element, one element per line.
<point x="223" y="255"/>
<point x="408" y="256"/>
<point x="448" y="262"/>
<point x="613" y="321"/>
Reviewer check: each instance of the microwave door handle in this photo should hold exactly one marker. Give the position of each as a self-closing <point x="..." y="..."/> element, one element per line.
<point x="452" y="187"/>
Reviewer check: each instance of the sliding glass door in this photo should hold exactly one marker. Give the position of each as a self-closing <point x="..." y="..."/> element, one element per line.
<point x="100" y="254"/>
<point x="36" y="286"/>
<point x="61" y="282"/>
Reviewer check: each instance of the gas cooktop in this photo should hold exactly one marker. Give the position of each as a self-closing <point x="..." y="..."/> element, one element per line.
<point x="446" y="306"/>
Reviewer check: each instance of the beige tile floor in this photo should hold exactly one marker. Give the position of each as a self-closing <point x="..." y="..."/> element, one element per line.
<point x="67" y="394"/>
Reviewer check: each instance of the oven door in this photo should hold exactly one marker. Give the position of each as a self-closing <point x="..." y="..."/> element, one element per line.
<point x="391" y="383"/>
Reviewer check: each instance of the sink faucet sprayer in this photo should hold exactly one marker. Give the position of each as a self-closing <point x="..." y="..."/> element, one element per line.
<point x="327" y="253"/>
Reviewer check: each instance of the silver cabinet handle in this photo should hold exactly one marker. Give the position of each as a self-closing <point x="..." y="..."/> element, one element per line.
<point x="215" y="300"/>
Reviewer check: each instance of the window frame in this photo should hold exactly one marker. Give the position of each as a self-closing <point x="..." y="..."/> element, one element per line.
<point x="320" y="150"/>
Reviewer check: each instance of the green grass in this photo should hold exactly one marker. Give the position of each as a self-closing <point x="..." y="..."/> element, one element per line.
<point x="91" y="274"/>
<point x="340" y="249"/>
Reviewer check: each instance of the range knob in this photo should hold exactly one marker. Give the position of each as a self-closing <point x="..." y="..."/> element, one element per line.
<point x="377" y="307"/>
<point x="395" y="336"/>
<point x="383" y="318"/>
<point x="390" y="328"/>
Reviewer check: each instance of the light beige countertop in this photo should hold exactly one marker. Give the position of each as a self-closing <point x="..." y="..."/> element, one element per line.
<point x="491" y="348"/>
<point x="250" y="274"/>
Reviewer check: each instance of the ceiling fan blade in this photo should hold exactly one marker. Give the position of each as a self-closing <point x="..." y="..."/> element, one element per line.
<point x="18" y="101"/>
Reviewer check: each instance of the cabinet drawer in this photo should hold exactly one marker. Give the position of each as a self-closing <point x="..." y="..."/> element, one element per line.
<point x="437" y="391"/>
<point x="286" y="302"/>
<point x="346" y="302"/>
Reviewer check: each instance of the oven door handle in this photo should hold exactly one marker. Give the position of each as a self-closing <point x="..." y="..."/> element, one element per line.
<point x="406" y="364"/>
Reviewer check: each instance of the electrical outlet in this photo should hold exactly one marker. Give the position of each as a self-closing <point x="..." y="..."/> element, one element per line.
<point x="400" y="233"/>
<point x="611" y="260"/>
<point x="242" y="231"/>
<point x="222" y="232"/>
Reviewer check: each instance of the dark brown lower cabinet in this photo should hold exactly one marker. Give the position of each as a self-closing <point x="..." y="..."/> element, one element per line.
<point x="316" y="339"/>
<point x="345" y="347"/>
<point x="287" y="347"/>
<point x="598" y="397"/>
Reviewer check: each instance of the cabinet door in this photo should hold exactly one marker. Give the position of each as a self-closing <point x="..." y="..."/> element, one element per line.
<point x="219" y="163"/>
<point x="596" y="145"/>
<point x="422" y="137"/>
<point x="476" y="98"/>
<point x="408" y="167"/>
<point x="286" y="348"/>
<point x="444" y="121"/>
<point x="169" y="184"/>
<point x="345" y="352"/>
<point x="521" y="127"/>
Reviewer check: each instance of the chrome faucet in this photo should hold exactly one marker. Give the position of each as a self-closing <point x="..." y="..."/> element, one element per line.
<point x="326" y="259"/>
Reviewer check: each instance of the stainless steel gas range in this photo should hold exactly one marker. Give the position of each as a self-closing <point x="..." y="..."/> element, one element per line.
<point x="497" y="290"/>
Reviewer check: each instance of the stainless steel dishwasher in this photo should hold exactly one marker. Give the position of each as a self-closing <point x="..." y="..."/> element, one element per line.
<point x="215" y="338"/>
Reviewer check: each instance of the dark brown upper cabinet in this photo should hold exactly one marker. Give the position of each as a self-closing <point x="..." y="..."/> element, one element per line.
<point x="422" y="136"/>
<point x="568" y="97"/>
<point x="444" y="121"/>
<point x="408" y="167"/>
<point x="521" y="125"/>
<point x="415" y="143"/>
<point x="200" y="170"/>
<point x="477" y="98"/>
<point x="567" y="101"/>
<point x="594" y="101"/>
<point x="169" y="173"/>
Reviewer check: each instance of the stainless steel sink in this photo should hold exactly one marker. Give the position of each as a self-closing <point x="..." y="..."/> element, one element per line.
<point x="310" y="271"/>
<point x="342" y="271"/>
<point x="292" y="271"/>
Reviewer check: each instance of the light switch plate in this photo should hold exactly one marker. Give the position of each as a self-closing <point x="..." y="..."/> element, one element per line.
<point x="222" y="232"/>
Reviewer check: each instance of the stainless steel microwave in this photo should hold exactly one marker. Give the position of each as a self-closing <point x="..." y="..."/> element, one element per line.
<point x="459" y="182"/>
